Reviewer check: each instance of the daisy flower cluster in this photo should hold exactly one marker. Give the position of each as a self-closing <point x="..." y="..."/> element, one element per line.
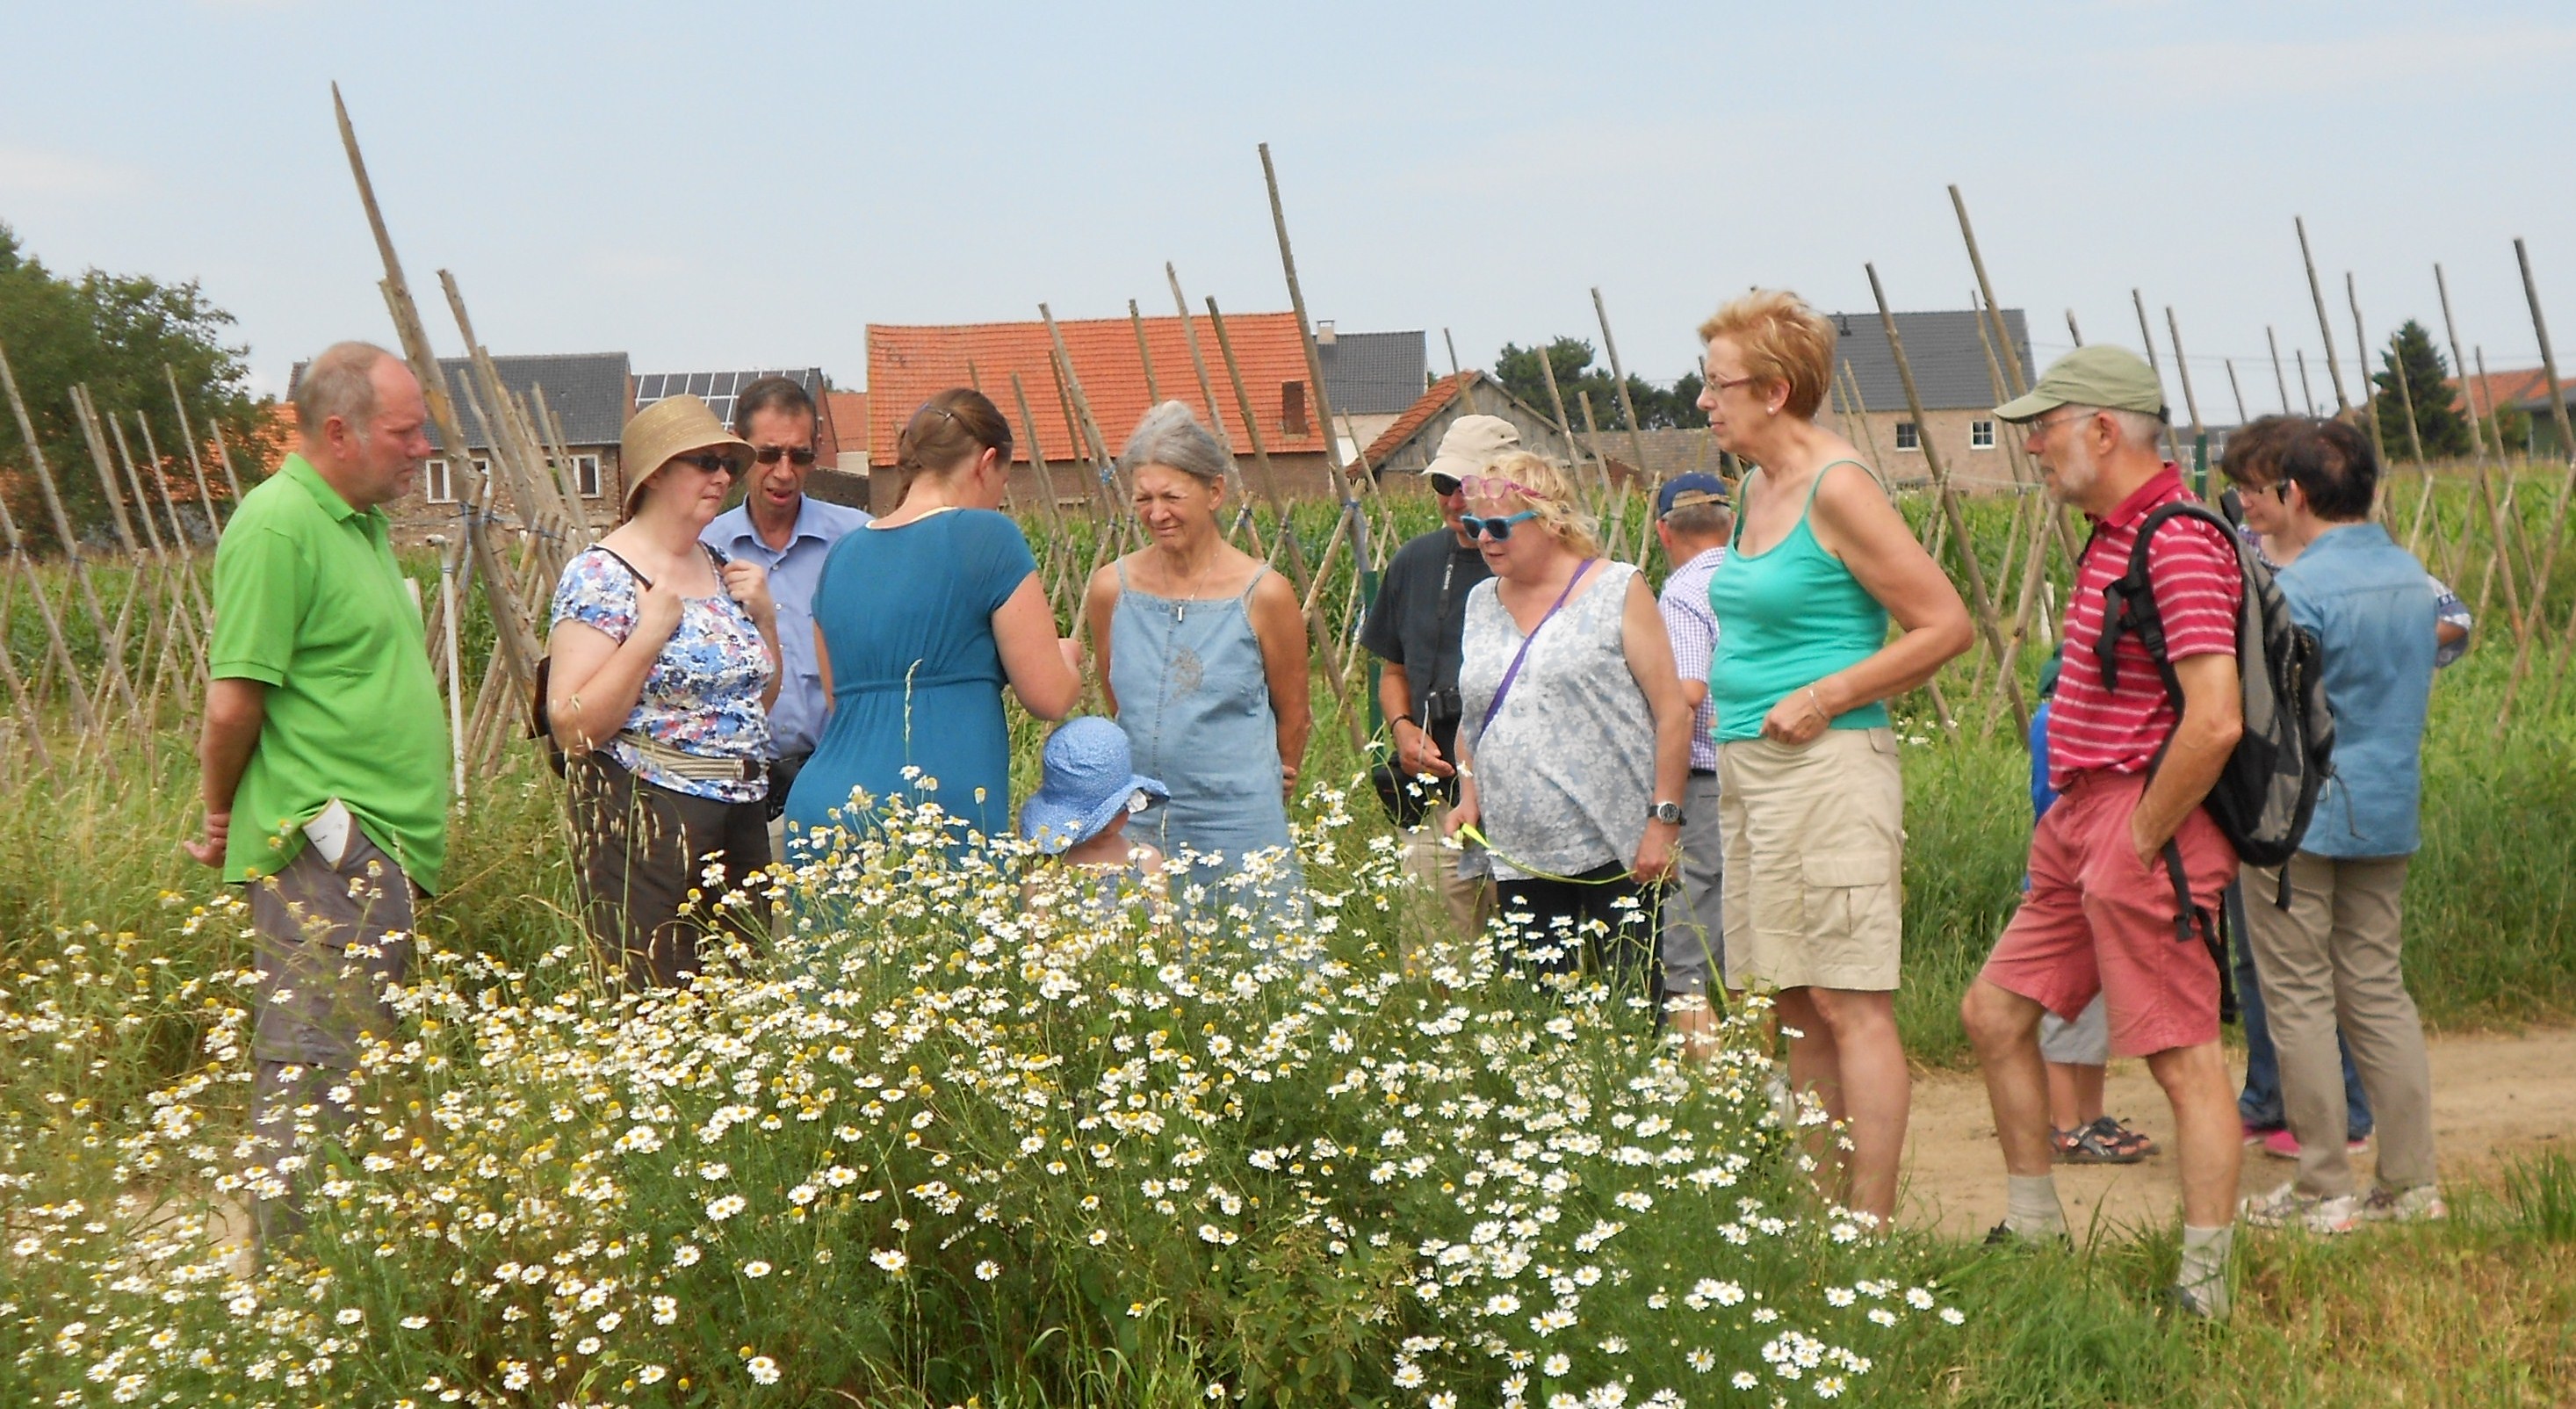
<point x="974" y="1128"/>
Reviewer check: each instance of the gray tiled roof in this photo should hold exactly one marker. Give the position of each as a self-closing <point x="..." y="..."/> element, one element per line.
<point x="586" y="391"/>
<point x="1374" y="374"/>
<point x="1943" y="348"/>
<point x="717" y="388"/>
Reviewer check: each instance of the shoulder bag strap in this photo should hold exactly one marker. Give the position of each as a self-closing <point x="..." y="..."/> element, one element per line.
<point x="1512" y="672"/>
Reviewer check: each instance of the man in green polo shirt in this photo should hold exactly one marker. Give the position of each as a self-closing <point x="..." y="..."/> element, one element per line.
<point x="324" y="753"/>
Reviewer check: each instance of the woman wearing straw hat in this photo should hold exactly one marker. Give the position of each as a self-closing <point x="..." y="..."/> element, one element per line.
<point x="1203" y="649"/>
<point x="1574" y="733"/>
<point x="921" y="618"/>
<point x="662" y="664"/>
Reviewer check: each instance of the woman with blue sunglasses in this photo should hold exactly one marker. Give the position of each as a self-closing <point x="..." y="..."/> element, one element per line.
<point x="1574" y="735"/>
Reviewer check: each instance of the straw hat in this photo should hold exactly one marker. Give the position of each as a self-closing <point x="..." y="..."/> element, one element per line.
<point x="671" y="427"/>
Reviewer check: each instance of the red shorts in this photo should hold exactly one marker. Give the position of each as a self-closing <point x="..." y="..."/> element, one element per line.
<point x="2096" y="921"/>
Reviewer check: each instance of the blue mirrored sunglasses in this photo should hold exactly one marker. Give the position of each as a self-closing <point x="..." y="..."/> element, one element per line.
<point x="1498" y="529"/>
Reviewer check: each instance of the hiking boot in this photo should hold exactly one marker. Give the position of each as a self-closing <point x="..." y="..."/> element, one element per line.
<point x="2421" y="1204"/>
<point x="2286" y="1207"/>
<point x="2281" y="1144"/>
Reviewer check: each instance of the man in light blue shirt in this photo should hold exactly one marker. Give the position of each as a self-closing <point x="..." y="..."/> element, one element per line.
<point x="789" y="533"/>
<point x="2332" y="952"/>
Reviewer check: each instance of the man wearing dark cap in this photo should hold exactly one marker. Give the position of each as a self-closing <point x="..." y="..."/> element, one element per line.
<point x="1414" y="627"/>
<point x="1693" y="518"/>
<point x="2131" y="771"/>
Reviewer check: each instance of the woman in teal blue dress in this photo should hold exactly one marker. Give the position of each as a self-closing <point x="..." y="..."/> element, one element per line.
<point x="920" y="618"/>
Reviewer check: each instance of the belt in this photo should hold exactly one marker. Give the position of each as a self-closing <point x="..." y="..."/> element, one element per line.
<point x="1703" y="772"/>
<point x="699" y="766"/>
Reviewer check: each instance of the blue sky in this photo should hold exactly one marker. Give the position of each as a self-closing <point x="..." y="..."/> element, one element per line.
<point x="709" y="185"/>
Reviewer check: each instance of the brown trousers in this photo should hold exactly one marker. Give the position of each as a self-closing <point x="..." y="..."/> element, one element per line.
<point x="327" y="941"/>
<point x="2330" y="962"/>
<point x="659" y="870"/>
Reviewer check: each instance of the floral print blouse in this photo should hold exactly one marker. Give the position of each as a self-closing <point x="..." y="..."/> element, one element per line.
<point x="703" y="693"/>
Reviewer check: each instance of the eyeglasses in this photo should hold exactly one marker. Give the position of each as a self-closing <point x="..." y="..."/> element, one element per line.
<point x="705" y="460"/>
<point x="2038" y="429"/>
<point x="1718" y="383"/>
<point x="769" y="454"/>
<point x="1442" y="484"/>
<point x="1497" y="529"/>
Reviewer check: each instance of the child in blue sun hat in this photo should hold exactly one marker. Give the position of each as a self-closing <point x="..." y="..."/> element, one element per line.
<point x="1079" y="813"/>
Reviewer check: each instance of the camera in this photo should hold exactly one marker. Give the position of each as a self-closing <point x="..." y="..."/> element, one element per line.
<point x="1441" y="706"/>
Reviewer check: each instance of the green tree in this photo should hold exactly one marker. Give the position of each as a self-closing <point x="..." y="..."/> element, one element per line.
<point x="112" y="333"/>
<point x="1658" y="407"/>
<point x="2439" y="420"/>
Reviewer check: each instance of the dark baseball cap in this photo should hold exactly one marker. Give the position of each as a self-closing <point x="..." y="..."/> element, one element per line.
<point x="1684" y="491"/>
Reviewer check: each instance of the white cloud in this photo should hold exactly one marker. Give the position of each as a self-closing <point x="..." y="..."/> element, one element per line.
<point x="27" y="172"/>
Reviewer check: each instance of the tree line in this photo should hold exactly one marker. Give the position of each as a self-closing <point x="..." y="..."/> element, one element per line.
<point x="112" y="333"/>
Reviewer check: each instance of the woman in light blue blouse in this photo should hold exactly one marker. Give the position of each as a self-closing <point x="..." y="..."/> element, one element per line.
<point x="660" y="670"/>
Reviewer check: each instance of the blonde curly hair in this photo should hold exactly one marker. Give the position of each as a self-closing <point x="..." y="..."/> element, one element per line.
<point x="1552" y="496"/>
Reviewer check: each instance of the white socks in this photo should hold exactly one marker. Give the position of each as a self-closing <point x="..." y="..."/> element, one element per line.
<point x="2031" y="1208"/>
<point x="2204" y="1267"/>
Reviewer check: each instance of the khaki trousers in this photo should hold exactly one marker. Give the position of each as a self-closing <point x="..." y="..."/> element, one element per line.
<point x="328" y="939"/>
<point x="1468" y="899"/>
<point x="2330" y="962"/>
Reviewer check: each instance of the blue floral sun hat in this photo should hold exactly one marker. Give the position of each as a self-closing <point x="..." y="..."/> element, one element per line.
<point x="1090" y="779"/>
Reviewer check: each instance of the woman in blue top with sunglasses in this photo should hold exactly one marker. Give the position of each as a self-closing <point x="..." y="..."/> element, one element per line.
<point x="1573" y="736"/>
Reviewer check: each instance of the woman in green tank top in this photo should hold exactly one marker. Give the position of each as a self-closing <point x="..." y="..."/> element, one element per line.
<point x="1810" y="801"/>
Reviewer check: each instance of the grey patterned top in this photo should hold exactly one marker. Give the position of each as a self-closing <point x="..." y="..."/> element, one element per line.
<point x="1567" y="771"/>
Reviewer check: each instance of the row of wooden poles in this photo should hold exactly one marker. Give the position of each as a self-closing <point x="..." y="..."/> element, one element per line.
<point x="522" y="517"/>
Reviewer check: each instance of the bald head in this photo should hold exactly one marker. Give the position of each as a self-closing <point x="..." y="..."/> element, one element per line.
<point x="363" y="422"/>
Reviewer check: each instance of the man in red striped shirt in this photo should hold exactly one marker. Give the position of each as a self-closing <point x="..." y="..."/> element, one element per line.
<point x="2131" y="771"/>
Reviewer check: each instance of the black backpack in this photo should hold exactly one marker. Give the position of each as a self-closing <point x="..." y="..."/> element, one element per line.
<point x="2268" y="791"/>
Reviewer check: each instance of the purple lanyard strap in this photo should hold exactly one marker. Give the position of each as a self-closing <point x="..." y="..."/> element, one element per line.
<point x="1512" y="672"/>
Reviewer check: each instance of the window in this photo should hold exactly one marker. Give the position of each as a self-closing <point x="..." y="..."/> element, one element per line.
<point x="434" y="485"/>
<point x="585" y="474"/>
<point x="1908" y="437"/>
<point x="1981" y="435"/>
<point x="1292" y="408"/>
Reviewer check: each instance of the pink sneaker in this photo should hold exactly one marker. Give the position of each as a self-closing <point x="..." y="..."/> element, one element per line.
<point x="2281" y="1144"/>
<point x="2257" y="1134"/>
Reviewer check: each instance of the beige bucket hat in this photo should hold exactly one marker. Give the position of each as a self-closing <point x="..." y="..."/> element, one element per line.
<point x="671" y="427"/>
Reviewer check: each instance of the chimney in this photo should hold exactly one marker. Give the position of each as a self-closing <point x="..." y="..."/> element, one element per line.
<point x="1292" y="409"/>
<point x="1324" y="332"/>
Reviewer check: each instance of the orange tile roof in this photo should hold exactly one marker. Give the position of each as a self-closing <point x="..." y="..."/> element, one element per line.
<point x="849" y="421"/>
<point x="907" y="364"/>
<point x="2505" y="388"/>
<point x="1442" y="392"/>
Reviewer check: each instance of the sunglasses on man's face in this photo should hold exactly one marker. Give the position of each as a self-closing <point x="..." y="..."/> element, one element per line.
<point x="1444" y="485"/>
<point x="768" y="454"/>
<point x="1497" y="527"/>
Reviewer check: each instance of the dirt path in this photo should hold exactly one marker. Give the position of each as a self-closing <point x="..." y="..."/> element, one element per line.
<point x="2493" y="1097"/>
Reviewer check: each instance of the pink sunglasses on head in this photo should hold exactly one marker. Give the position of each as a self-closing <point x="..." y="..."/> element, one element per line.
<point x="1495" y="487"/>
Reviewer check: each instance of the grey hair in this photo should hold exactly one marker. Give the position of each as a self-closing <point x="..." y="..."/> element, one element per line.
<point x="2138" y="429"/>
<point x="1170" y="435"/>
<point x="340" y="382"/>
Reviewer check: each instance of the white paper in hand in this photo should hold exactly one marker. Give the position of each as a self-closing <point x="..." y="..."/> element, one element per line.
<point x="329" y="831"/>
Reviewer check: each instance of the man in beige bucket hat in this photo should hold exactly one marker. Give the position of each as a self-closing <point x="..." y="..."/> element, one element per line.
<point x="1414" y="627"/>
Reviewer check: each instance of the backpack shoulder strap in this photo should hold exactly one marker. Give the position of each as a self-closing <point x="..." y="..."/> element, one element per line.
<point x="2129" y="600"/>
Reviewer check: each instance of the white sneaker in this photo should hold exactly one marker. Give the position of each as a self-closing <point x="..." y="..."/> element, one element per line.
<point x="2286" y="1207"/>
<point x="2421" y="1204"/>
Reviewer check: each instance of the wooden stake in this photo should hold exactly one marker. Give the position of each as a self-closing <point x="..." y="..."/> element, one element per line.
<point x="205" y="493"/>
<point x="2173" y="447"/>
<point x="2277" y="379"/>
<point x="1144" y="355"/>
<point x="2325" y="329"/>
<point x="1983" y="604"/>
<point x="1323" y="406"/>
<point x="2539" y="593"/>
<point x="113" y="677"/>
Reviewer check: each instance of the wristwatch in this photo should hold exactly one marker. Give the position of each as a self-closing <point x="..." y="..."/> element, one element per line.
<point x="1667" y="812"/>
